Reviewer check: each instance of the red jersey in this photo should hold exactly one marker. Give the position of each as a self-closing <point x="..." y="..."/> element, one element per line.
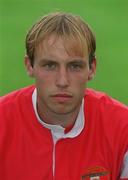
<point x="27" y="147"/>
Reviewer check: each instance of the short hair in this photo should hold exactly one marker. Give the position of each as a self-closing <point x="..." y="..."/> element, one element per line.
<point x="75" y="32"/>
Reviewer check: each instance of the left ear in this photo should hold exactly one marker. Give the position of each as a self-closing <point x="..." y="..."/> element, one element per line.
<point x="92" y="70"/>
<point x="28" y="66"/>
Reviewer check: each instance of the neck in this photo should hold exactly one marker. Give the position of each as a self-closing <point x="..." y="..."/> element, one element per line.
<point x="64" y="120"/>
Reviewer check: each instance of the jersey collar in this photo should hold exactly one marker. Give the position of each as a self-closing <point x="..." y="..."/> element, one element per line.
<point x="57" y="130"/>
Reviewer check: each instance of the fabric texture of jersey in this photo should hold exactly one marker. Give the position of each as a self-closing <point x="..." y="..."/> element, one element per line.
<point x="26" y="147"/>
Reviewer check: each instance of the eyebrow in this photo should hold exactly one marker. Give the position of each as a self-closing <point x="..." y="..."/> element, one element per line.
<point x="79" y="61"/>
<point x="47" y="61"/>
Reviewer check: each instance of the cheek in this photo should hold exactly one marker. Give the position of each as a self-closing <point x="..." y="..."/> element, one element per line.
<point x="79" y="85"/>
<point x="44" y="83"/>
<point x="43" y="78"/>
<point x="80" y="79"/>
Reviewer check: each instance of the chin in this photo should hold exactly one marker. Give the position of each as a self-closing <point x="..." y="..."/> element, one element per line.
<point x="64" y="110"/>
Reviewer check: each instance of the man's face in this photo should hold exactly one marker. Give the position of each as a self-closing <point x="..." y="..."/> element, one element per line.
<point x="60" y="78"/>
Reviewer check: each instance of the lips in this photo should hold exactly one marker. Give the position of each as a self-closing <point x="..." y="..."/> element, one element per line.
<point x="62" y="97"/>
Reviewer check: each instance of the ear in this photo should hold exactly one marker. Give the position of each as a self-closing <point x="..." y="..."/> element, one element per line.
<point x="28" y="66"/>
<point x="92" y="70"/>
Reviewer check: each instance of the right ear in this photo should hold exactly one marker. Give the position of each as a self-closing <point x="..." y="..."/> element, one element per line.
<point x="92" y="69"/>
<point x="28" y="66"/>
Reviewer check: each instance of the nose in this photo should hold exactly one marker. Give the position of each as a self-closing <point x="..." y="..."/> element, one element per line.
<point x="62" y="78"/>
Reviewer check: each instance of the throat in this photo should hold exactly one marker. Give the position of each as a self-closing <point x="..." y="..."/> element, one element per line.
<point x="66" y="120"/>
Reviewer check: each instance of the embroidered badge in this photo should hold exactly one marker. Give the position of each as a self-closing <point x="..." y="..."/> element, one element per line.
<point x="96" y="173"/>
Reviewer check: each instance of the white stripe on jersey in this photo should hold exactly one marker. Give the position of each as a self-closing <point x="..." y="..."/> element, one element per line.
<point x="124" y="171"/>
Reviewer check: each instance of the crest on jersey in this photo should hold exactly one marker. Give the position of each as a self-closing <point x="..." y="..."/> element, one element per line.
<point x="96" y="173"/>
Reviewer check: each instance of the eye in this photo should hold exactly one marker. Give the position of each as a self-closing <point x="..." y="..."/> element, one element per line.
<point x="50" y="66"/>
<point x="75" y="66"/>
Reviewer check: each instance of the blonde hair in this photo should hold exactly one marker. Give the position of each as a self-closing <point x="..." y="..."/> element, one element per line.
<point x="75" y="32"/>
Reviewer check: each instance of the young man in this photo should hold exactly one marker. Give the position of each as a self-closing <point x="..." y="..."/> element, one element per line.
<point x="58" y="129"/>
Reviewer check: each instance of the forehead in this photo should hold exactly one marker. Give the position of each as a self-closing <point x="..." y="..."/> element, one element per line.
<point x="63" y="45"/>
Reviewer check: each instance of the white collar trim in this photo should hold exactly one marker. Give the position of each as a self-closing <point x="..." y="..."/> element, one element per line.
<point x="57" y="130"/>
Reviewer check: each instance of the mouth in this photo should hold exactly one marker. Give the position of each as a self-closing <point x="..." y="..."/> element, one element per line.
<point x="62" y="97"/>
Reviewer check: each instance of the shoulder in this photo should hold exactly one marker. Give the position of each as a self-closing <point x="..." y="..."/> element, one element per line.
<point x="109" y="110"/>
<point x="12" y="96"/>
<point x="15" y="99"/>
<point x="109" y="117"/>
<point x="102" y="99"/>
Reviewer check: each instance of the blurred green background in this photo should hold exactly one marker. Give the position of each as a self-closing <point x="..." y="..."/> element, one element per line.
<point x="108" y="19"/>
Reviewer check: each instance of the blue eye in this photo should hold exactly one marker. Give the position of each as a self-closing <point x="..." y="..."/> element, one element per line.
<point x="49" y="66"/>
<point x="75" y="67"/>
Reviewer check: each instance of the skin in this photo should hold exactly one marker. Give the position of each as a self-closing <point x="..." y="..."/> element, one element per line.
<point x="60" y="79"/>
